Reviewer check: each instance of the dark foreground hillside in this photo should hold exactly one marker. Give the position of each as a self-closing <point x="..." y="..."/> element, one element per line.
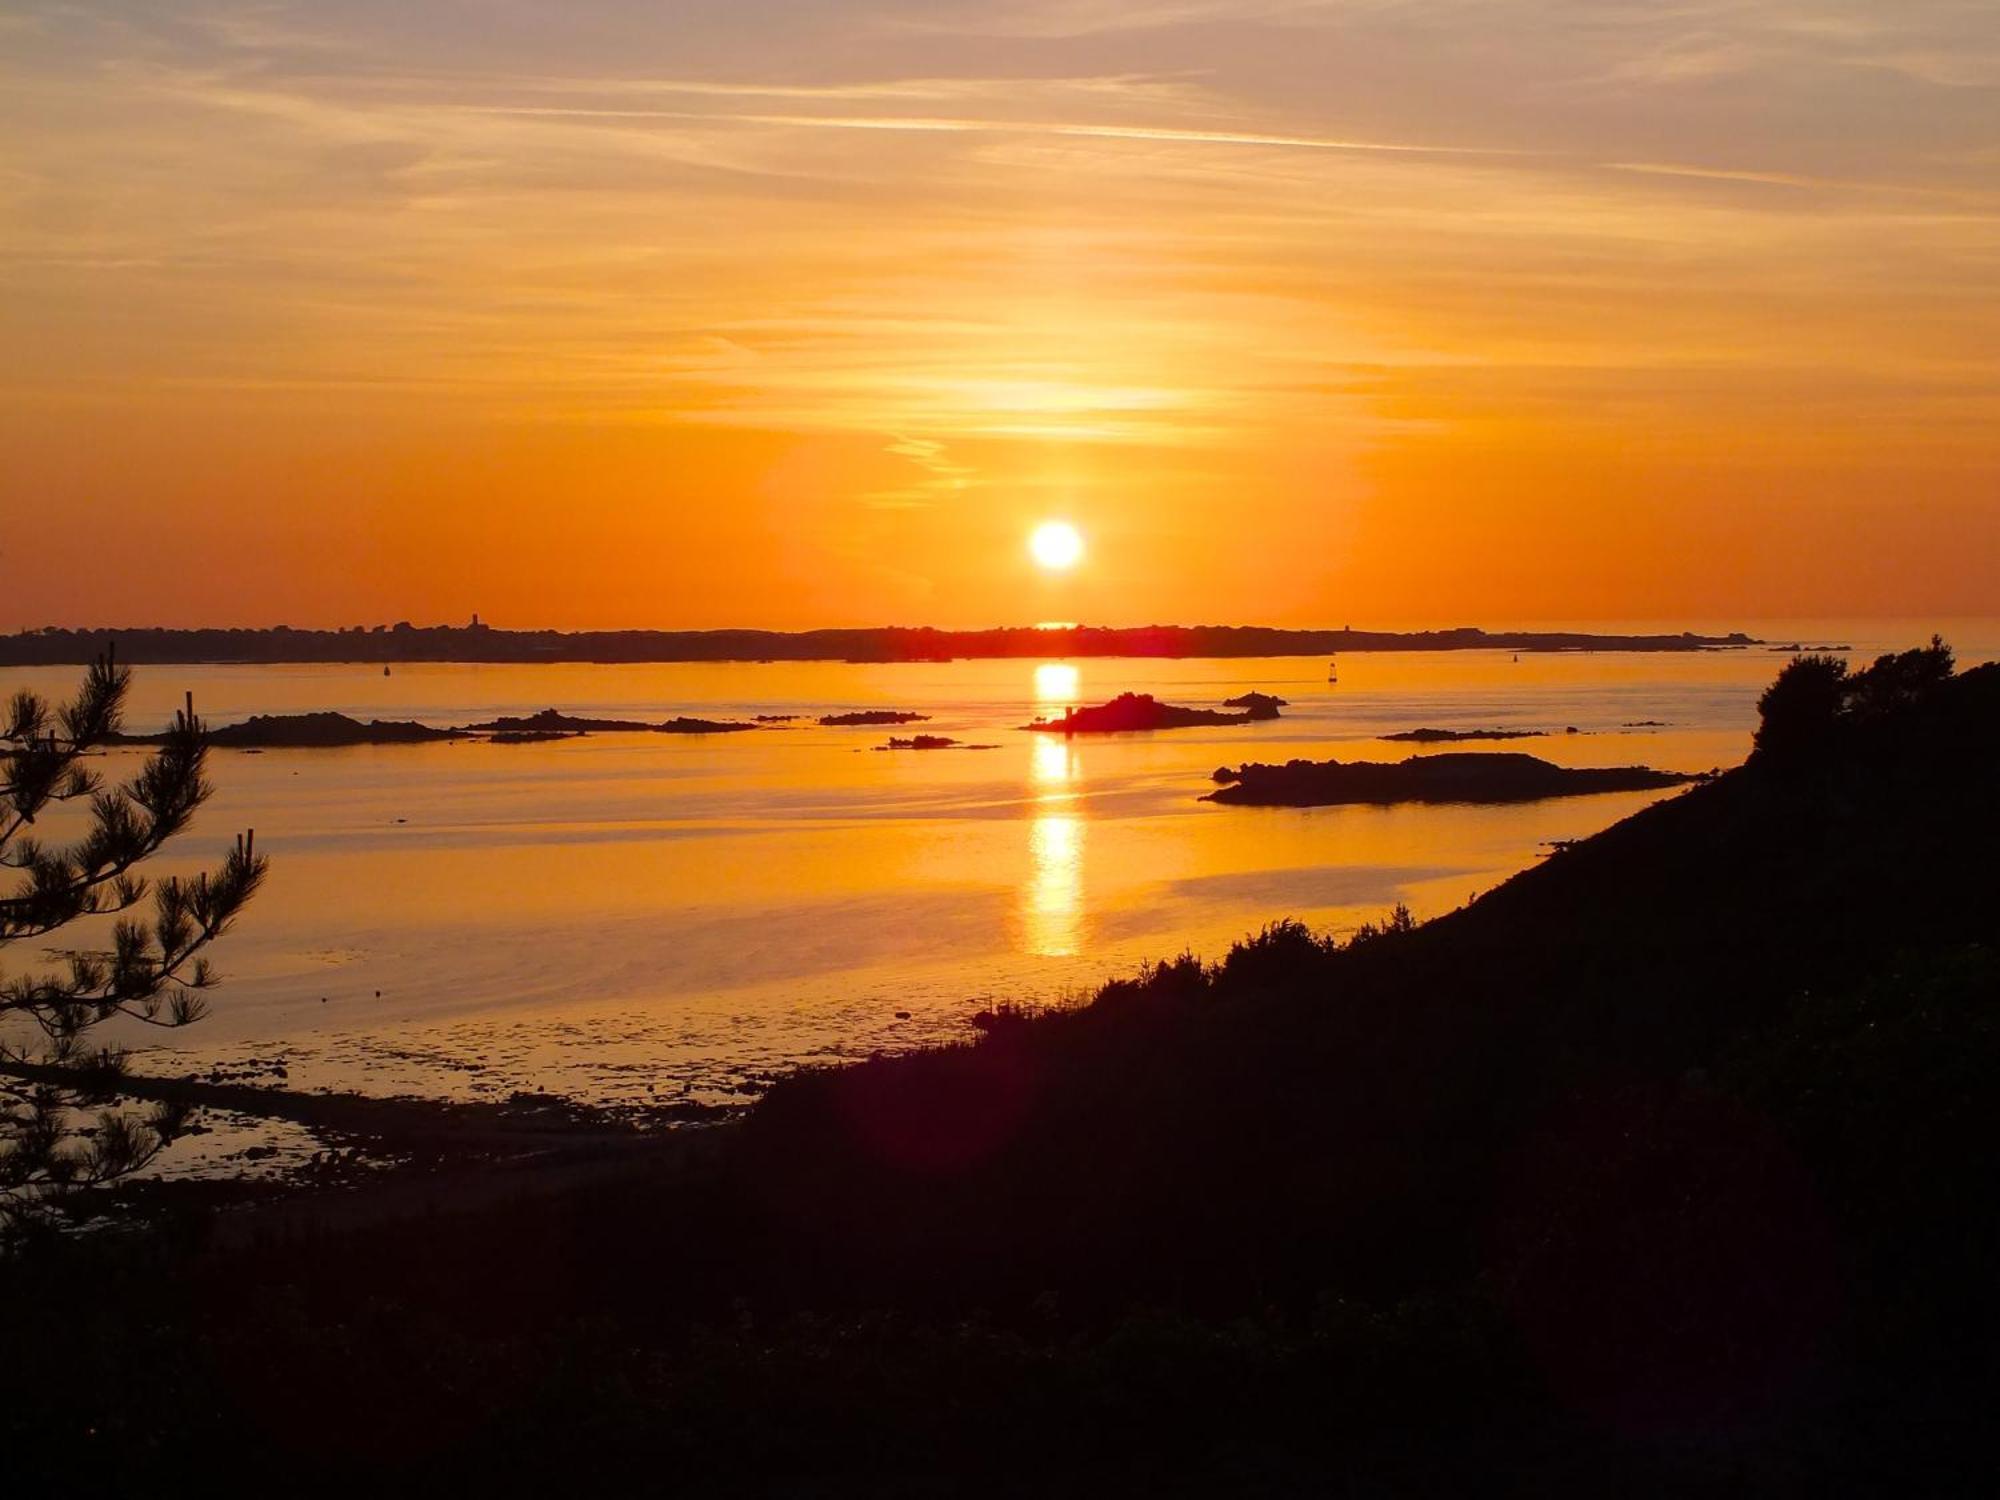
<point x="1666" y="1168"/>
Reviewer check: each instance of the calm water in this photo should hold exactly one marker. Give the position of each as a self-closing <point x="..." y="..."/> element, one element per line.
<point x="626" y="918"/>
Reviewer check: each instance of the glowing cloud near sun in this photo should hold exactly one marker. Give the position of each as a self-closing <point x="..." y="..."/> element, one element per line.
<point x="1056" y="545"/>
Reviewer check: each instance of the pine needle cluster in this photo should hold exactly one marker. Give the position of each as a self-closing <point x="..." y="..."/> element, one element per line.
<point x="59" y="1128"/>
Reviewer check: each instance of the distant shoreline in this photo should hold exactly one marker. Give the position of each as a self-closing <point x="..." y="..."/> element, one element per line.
<point x="386" y="645"/>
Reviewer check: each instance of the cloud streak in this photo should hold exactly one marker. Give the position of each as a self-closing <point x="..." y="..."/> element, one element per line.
<point x="969" y="125"/>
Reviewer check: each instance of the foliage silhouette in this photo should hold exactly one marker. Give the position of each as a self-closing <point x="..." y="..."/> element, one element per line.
<point x="153" y="972"/>
<point x="1815" y="701"/>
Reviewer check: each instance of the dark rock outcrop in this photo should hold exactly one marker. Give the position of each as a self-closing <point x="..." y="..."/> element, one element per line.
<point x="871" y="716"/>
<point x="1132" y="712"/>
<point x="309" y="732"/>
<point x="1260" y="705"/>
<point x="1463" y="777"/>
<point x="554" y="721"/>
<point x="1455" y="736"/>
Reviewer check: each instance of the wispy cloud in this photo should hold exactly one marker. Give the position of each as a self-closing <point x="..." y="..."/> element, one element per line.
<point x="1719" y="174"/>
<point x="1801" y="181"/>
<point x="968" y="125"/>
<point x="1079" y="222"/>
<point x="1126" y="87"/>
<point x="1070" y="19"/>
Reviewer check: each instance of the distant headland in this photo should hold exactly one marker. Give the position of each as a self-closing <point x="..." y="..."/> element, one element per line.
<point x="404" y="642"/>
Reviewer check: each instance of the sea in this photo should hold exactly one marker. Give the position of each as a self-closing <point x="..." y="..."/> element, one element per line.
<point x="632" y="920"/>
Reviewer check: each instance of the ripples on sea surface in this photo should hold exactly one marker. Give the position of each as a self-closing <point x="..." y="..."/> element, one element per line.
<point x="641" y="918"/>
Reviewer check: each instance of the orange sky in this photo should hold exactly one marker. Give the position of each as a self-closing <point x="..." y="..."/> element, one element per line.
<point x="801" y="312"/>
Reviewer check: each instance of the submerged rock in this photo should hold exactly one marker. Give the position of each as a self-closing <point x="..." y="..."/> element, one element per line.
<point x="684" y="725"/>
<point x="1454" y="736"/>
<point x="871" y="716"/>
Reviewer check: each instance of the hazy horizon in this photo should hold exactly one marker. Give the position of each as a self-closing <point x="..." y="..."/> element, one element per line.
<point x="1610" y="624"/>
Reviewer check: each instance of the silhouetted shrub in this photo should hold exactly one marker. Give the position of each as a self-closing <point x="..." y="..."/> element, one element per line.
<point x="1900" y="681"/>
<point x="1396" y="923"/>
<point x="1800" y="712"/>
<point x="152" y="972"/>
<point x="1276" y="956"/>
<point x="1815" y="698"/>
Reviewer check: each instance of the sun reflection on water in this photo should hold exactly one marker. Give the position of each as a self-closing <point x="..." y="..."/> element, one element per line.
<point x="1053" y="768"/>
<point x="1052" y="899"/>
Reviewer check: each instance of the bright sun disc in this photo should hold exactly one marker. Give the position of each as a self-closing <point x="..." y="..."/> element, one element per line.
<point x="1056" y="544"/>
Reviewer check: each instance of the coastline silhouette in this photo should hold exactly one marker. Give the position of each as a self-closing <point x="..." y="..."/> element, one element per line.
<point x="483" y="643"/>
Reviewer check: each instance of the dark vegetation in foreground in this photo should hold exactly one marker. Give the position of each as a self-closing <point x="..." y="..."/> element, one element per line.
<point x="1455" y="776"/>
<point x="60" y="1130"/>
<point x="1664" y="1168"/>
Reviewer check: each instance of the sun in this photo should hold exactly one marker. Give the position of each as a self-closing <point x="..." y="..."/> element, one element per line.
<point x="1056" y="545"/>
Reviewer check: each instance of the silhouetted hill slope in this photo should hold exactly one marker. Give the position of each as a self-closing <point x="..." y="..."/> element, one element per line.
<point x="1301" y="1111"/>
<point x="1665" y="1168"/>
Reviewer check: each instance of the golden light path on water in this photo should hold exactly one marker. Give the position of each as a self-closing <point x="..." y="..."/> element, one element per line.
<point x="1052" y="900"/>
